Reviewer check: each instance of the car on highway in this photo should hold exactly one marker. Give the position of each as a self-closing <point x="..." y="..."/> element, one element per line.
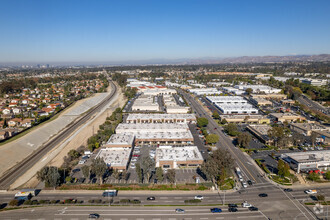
<point x="288" y="190"/>
<point x="199" y="197"/>
<point x="216" y="210"/>
<point x="311" y="191"/>
<point x="94" y="215"/>
<point x="263" y="195"/>
<point x="245" y="204"/>
<point x="179" y="210"/>
<point x="252" y="208"/>
<point x="232" y="206"/>
<point x="151" y="198"/>
<point x="232" y="209"/>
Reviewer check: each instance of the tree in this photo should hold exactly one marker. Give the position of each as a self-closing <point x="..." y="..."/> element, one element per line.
<point x="99" y="168"/>
<point x="249" y="91"/>
<point x="159" y="174"/>
<point x="171" y="175"/>
<point x="85" y="171"/>
<point x="125" y="175"/>
<point x="224" y="121"/>
<point x="243" y="139"/>
<point x="327" y="175"/>
<point x="138" y="172"/>
<point x="215" y="115"/>
<point x="313" y="176"/>
<point x="147" y="165"/>
<point x="202" y="122"/>
<point x="74" y="154"/>
<point x="231" y="129"/>
<point x="50" y="176"/>
<point x="320" y="197"/>
<point x="212" y="138"/>
<point x="218" y="163"/>
<point x="280" y="168"/>
<point x="68" y="179"/>
<point x="279" y="135"/>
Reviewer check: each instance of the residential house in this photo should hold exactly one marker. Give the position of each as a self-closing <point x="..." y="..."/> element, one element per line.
<point x="15" y="122"/>
<point x="4" y="134"/>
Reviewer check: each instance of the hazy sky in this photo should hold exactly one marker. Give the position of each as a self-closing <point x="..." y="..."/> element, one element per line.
<point x="57" y="31"/>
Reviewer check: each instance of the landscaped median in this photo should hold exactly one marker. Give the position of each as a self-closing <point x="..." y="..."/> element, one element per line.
<point x="160" y="187"/>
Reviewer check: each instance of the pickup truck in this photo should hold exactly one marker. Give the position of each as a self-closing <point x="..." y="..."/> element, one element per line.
<point x="311" y="191"/>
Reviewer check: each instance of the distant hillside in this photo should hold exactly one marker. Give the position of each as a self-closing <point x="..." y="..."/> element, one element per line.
<point x="263" y="59"/>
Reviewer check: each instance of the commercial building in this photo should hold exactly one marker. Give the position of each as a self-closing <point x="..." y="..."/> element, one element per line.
<point x="287" y="102"/>
<point x="310" y="160"/>
<point x="233" y="90"/>
<point x="260" y="132"/>
<point x="172" y="106"/>
<point x="116" y="158"/>
<point x="135" y="128"/>
<point x="315" y="82"/>
<point x="227" y="99"/>
<point x="157" y="134"/>
<point x="145" y="103"/>
<point x="276" y="96"/>
<point x="307" y="128"/>
<point x="258" y="88"/>
<point x="237" y="108"/>
<point x="250" y="119"/>
<point x="120" y="140"/>
<point x="205" y="91"/>
<point x="169" y="157"/>
<point x="287" y="117"/>
<point x="161" y="118"/>
<point x="261" y="102"/>
<point x="232" y="105"/>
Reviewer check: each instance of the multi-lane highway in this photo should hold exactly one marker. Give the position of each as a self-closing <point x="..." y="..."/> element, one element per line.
<point x="314" y="105"/>
<point x="11" y="176"/>
<point x="278" y="205"/>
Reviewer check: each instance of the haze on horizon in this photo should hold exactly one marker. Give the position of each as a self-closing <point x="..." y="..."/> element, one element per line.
<point x="114" y="31"/>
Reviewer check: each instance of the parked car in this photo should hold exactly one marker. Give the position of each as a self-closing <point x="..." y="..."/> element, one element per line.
<point x="263" y="195"/>
<point x="310" y="191"/>
<point x="94" y="215"/>
<point x="199" y="197"/>
<point x="250" y="182"/>
<point x="82" y="161"/>
<point x="216" y="210"/>
<point x="151" y="198"/>
<point x="252" y="208"/>
<point x="179" y="210"/>
<point x="288" y="190"/>
<point x="244" y="184"/>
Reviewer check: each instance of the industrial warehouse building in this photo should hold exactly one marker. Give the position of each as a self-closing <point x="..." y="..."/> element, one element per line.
<point x="120" y="140"/>
<point x="169" y="157"/>
<point x="259" y="88"/>
<point x="205" y="91"/>
<point x="146" y="103"/>
<point x="307" y="128"/>
<point x="172" y="106"/>
<point x="157" y="134"/>
<point x="232" y="104"/>
<point x="260" y="132"/>
<point x="287" y="117"/>
<point x="250" y="119"/>
<point x="116" y="158"/>
<point x="161" y="118"/>
<point x="310" y="160"/>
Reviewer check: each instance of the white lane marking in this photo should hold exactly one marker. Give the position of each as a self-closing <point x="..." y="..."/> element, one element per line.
<point x="219" y="218"/>
<point x="172" y="219"/>
<point x="163" y="197"/>
<point x="124" y="219"/>
<point x="140" y="219"/>
<point x="32" y="210"/>
<point x="204" y="218"/>
<point x="255" y="216"/>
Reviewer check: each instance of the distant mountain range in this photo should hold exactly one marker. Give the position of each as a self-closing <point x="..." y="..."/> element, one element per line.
<point x="187" y="61"/>
<point x="262" y="59"/>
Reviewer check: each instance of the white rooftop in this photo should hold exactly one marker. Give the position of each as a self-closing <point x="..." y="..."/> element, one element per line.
<point x="115" y="157"/>
<point x="166" y="153"/>
<point x="121" y="139"/>
<point x="161" y="116"/>
<point x="123" y="127"/>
